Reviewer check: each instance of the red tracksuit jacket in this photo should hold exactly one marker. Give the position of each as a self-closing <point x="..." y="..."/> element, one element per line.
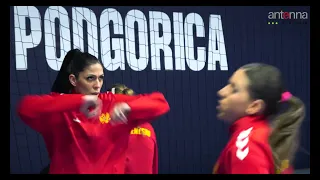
<point x="142" y="154"/>
<point x="77" y="145"/>
<point x="248" y="150"/>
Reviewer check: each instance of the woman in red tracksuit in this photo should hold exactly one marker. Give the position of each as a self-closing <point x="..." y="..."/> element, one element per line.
<point x="263" y="134"/>
<point x="142" y="154"/>
<point x="85" y="131"/>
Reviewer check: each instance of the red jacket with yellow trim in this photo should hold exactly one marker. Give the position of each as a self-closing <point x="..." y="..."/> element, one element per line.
<point x="142" y="154"/>
<point x="77" y="145"/>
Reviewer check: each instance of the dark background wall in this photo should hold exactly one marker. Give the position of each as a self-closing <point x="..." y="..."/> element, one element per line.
<point x="190" y="137"/>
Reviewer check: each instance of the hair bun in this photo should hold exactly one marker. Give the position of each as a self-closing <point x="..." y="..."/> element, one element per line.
<point x="128" y="91"/>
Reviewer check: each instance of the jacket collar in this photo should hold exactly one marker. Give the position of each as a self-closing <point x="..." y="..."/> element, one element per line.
<point x="246" y="122"/>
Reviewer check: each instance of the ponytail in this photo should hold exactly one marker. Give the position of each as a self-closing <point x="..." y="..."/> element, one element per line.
<point x="62" y="83"/>
<point x="284" y="139"/>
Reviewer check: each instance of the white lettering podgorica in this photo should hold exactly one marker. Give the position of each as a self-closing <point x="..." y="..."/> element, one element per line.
<point x="114" y="47"/>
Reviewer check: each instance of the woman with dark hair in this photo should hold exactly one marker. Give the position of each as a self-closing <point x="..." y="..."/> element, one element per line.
<point x="255" y="94"/>
<point x="142" y="153"/>
<point x="77" y="139"/>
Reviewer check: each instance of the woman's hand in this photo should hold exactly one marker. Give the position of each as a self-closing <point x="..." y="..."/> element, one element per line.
<point x="120" y="113"/>
<point x="91" y="106"/>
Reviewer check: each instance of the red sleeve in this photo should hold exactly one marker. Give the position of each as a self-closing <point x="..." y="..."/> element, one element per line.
<point x="253" y="159"/>
<point x="144" y="107"/>
<point x="32" y="108"/>
<point x="140" y="156"/>
<point x="148" y="106"/>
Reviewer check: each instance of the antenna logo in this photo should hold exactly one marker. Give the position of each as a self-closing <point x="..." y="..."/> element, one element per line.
<point x="284" y="16"/>
<point x="287" y="15"/>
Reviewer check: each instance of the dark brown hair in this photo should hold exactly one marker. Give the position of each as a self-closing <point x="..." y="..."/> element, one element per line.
<point x="265" y="83"/>
<point x="74" y="62"/>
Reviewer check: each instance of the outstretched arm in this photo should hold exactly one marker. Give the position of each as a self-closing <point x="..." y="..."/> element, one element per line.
<point x="143" y="107"/>
<point x="148" y="106"/>
<point x="33" y="108"/>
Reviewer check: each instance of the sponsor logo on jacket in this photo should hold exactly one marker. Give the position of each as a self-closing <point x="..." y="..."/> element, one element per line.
<point x="141" y="131"/>
<point x="104" y="118"/>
